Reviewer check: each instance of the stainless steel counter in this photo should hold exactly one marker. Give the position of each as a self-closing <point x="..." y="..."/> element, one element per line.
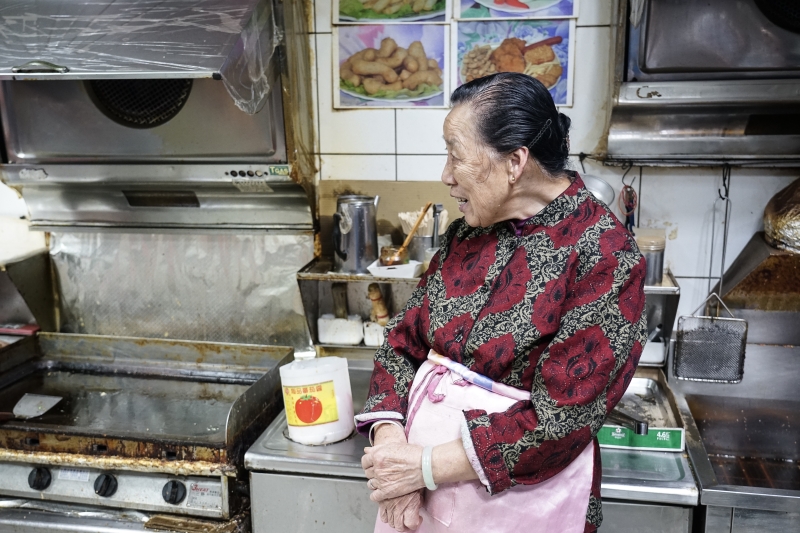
<point x="744" y="443"/>
<point x="332" y="477"/>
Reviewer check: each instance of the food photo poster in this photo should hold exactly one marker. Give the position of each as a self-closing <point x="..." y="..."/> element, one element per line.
<point x="542" y="49"/>
<point x="391" y="66"/>
<point x="391" y="11"/>
<point x="509" y="9"/>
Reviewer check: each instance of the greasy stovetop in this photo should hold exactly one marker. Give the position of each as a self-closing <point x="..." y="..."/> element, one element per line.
<point x="126" y="406"/>
<point x="141" y="398"/>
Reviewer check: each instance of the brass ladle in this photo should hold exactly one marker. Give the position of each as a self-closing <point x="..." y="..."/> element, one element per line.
<point x="391" y="256"/>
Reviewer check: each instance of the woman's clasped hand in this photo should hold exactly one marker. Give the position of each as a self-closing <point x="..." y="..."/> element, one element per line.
<point x="394" y="477"/>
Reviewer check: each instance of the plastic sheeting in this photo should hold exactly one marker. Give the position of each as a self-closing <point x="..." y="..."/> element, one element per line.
<point x="67" y="39"/>
<point x="221" y="287"/>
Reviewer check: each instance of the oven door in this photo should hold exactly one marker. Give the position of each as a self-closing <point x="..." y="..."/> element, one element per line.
<point x="137" y="121"/>
<point x="713" y="40"/>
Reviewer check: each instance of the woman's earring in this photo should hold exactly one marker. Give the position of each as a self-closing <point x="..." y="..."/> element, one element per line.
<point x="513" y="179"/>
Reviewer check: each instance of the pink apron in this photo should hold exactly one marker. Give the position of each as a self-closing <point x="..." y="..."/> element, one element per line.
<point x="436" y="401"/>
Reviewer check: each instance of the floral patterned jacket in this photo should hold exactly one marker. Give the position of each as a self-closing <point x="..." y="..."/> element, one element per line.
<point x="554" y="305"/>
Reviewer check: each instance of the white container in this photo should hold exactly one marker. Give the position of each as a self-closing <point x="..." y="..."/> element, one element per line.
<point x="412" y="269"/>
<point x="373" y="334"/>
<point x="318" y="400"/>
<point x="348" y="331"/>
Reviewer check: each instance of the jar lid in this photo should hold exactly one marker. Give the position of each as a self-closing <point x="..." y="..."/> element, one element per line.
<point x="651" y="239"/>
<point x="355" y="199"/>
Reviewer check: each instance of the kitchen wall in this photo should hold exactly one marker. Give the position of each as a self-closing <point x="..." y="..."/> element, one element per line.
<point x="10" y="204"/>
<point x="405" y="147"/>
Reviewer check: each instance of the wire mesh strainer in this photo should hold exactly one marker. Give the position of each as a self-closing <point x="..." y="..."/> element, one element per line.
<point x="710" y="348"/>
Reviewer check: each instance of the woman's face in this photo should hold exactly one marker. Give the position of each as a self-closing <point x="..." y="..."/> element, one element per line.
<point x="477" y="180"/>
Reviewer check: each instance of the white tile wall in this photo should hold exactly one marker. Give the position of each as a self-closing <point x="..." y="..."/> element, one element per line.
<point x="10" y="204"/>
<point x="682" y="201"/>
<point x="420" y="167"/>
<point x="358" y="167"/>
<point x="419" y="131"/>
<point x="596" y="12"/>
<point x="406" y="145"/>
<point x="591" y="87"/>
<point x="322" y="16"/>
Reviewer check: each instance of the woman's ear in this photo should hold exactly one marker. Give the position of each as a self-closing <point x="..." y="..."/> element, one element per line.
<point x="516" y="163"/>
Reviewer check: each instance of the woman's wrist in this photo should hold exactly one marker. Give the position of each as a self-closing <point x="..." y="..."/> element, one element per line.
<point x="386" y="433"/>
<point x="450" y="464"/>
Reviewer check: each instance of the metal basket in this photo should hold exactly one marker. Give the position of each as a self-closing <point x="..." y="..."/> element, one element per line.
<point x="710" y="348"/>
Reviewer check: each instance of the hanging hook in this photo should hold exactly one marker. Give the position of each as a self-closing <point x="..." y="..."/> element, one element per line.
<point x="726" y="182"/>
<point x="627" y="169"/>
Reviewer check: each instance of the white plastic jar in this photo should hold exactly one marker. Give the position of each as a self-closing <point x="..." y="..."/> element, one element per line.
<point x="318" y="400"/>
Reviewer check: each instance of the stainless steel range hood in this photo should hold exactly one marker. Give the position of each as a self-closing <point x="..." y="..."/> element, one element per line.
<point x="705" y="83"/>
<point x="232" y="40"/>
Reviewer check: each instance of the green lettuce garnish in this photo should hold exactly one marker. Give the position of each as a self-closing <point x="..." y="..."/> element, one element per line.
<point x="356" y="10"/>
<point x="403" y="94"/>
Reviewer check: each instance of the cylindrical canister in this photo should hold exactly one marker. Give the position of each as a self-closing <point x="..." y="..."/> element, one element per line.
<point x="318" y="400"/>
<point x="355" y="233"/>
<point x="652" y="243"/>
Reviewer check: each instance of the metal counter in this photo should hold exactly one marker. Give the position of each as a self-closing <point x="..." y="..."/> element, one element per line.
<point x="744" y="443"/>
<point x="295" y="487"/>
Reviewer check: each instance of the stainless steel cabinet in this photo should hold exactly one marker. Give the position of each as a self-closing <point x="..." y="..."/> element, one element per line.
<point x="299" y="504"/>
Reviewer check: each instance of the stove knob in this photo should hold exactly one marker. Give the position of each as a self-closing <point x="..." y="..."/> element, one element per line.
<point x="105" y="485"/>
<point x="174" y="492"/>
<point x="39" y="478"/>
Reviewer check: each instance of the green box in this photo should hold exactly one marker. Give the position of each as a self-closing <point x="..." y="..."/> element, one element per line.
<point x="657" y="439"/>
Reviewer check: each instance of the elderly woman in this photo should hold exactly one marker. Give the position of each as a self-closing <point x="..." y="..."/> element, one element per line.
<point x="538" y="291"/>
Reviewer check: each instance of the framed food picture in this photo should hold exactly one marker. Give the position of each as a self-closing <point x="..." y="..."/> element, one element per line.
<point x="391" y="11"/>
<point x="391" y="65"/>
<point x="509" y="9"/>
<point x="542" y="49"/>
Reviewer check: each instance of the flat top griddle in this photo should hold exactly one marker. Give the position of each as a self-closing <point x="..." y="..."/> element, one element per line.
<point x="124" y="406"/>
<point x="141" y="398"/>
<point x="750" y="442"/>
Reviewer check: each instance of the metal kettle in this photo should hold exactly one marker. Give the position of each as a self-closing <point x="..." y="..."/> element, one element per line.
<point x="355" y="233"/>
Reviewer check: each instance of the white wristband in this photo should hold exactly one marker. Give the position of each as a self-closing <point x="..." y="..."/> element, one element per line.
<point x="427" y="469"/>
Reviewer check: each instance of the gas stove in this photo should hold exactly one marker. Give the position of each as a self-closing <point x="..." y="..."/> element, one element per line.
<point x="146" y="424"/>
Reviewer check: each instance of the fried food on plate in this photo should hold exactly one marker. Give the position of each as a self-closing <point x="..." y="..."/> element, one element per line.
<point x="391" y="68"/>
<point x="539" y="55"/>
<point x="423" y="76"/>
<point x="363" y="67"/>
<point x="551" y="75"/>
<point x="417" y="51"/>
<point x="376" y="85"/>
<point x="396" y="59"/>
<point x="390" y="7"/>
<point x="508" y="56"/>
<point x="388" y="46"/>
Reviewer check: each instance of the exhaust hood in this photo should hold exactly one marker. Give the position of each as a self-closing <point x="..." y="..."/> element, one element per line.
<point x="229" y="40"/>
<point x="705" y="83"/>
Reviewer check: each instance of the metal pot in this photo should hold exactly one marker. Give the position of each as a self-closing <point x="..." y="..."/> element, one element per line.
<point x="599" y="188"/>
<point x="355" y="233"/>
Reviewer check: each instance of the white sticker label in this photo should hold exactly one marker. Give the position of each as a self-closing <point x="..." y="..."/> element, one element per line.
<point x="252" y="185"/>
<point x="204" y="496"/>
<point x="73" y="474"/>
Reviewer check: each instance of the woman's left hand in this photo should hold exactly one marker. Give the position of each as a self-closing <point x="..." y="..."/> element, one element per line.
<point x="393" y="469"/>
